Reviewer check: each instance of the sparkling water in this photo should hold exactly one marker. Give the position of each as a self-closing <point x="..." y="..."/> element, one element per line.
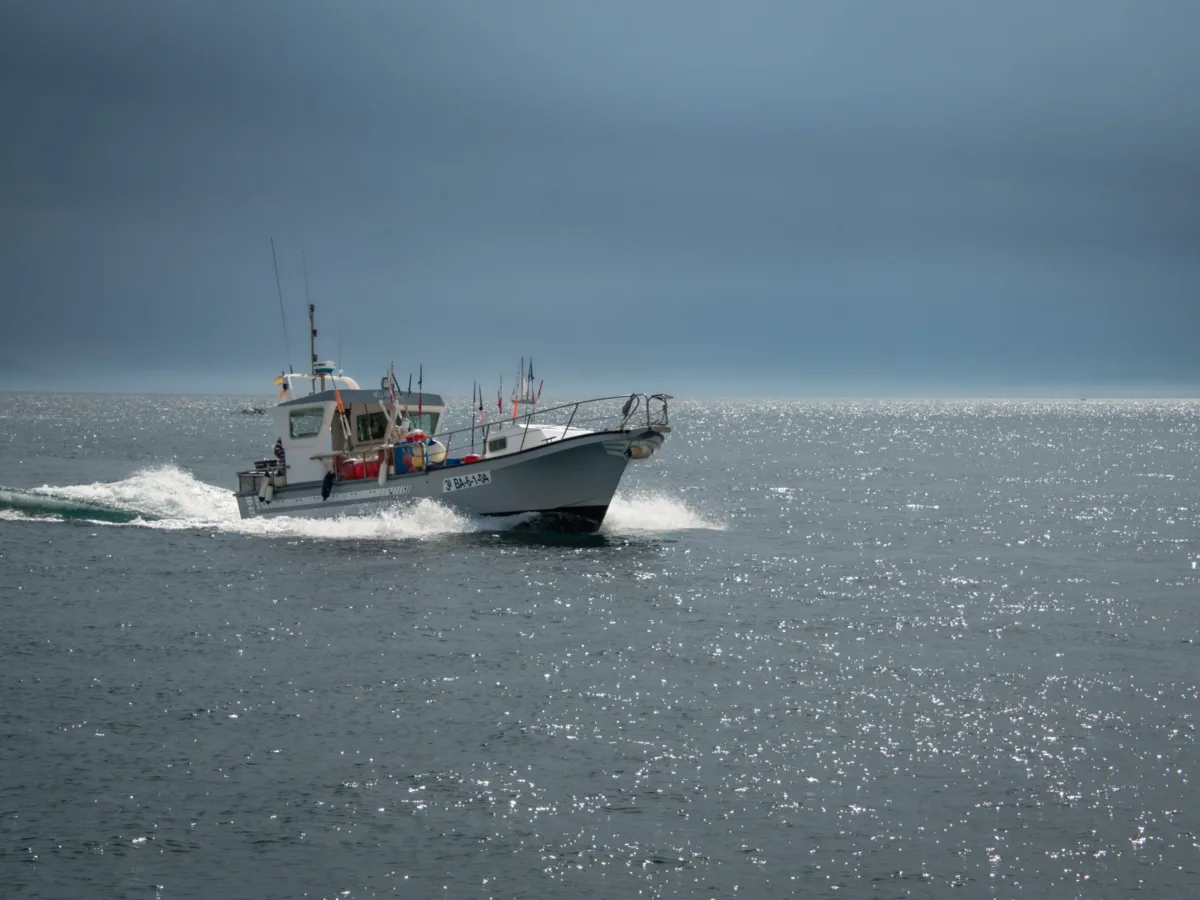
<point x="820" y="649"/>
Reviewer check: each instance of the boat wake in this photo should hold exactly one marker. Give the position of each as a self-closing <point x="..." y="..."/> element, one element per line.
<point x="172" y="499"/>
<point x="17" y="504"/>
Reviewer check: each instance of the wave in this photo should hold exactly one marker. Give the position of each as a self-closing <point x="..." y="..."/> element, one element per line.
<point x="652" y="511"/>
<point x="170" y="498"/>
<point x="17" y="504"/>
<point x="163" y="493"/>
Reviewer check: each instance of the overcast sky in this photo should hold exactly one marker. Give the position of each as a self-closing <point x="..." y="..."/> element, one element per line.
<point x="791" y="197"/>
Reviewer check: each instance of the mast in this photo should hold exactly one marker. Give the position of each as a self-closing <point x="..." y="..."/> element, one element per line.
<point x="517" y="387"/>
<point x="312" y="329"/>
<point x="312" y="346"/>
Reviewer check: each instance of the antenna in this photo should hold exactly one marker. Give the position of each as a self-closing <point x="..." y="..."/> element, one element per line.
<point x="279" y="290"/>
<point x="312" y="328"/>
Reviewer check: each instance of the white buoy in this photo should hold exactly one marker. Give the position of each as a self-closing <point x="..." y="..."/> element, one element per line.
<point x="436" y="452"/>
<point x="383" y="468"/>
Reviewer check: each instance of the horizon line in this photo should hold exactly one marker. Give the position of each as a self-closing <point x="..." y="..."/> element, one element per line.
<point x="1191" y="394"/>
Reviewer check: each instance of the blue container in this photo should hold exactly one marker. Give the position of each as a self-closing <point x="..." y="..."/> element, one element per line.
<point x="404" y="456"/>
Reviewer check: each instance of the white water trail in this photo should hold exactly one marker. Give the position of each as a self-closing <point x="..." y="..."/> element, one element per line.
<point x="172" y="499"/>
<point x="169" y="498"/>
<point x="165" y="492"/>
<point x="422" y="520"/>
<point x="16" y="515"/>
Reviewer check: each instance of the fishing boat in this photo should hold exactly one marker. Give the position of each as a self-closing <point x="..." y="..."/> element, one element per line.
<point x="345" y="450"/>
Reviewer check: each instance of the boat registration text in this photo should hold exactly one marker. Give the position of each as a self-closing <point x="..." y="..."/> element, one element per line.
<point x="461" y="482"/>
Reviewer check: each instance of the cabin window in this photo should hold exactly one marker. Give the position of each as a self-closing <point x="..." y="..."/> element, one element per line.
<point x="371" y="427"/>
<point x="498" y="444"/>
<point x="305" y="423"/>
<point x="426" y="421"/>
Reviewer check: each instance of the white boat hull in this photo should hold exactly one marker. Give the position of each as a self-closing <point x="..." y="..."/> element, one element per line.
<point x="571" y="481"/>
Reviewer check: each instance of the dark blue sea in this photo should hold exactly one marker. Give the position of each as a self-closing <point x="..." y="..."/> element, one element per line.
<point x="820" y="649"/>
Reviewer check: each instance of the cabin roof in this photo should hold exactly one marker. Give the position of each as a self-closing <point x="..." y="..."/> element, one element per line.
<point x="363" y="396"/>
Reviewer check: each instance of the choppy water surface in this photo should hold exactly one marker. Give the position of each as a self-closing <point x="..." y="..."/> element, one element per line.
<point x="820" y="649"/>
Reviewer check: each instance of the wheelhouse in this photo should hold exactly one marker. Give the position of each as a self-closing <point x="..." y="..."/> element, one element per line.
<point x="321" y="429"/>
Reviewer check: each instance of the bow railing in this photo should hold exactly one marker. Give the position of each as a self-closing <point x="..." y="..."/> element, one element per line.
<point x="617" y="413"/>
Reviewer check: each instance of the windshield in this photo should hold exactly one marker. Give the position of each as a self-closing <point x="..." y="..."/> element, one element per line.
<point x="304" y="423"/>
<point x="372" y="426"/>
<point x="426" y="422"/>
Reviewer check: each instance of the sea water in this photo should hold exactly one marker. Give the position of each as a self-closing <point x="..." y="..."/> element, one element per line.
<point x="820" y="649"/>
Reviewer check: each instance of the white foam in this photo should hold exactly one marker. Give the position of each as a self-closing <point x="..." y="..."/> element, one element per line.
<point x="168" y="492"/>
<point x="16" y="515"/>
<point x="650" y="511"/>
<point x="174" y="499"/>
<point x="171" y="499"/>
<point x="421" y="520"/>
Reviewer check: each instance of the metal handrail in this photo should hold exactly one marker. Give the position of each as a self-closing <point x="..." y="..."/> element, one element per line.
<point x="619" y="420"/>
<point x="622" y="418"/>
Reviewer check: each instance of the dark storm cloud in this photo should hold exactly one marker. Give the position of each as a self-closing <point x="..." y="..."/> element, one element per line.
<point x="760" y="193"/>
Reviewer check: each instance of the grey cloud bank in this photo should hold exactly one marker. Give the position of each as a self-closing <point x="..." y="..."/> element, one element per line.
<point x="786" y="197"/>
